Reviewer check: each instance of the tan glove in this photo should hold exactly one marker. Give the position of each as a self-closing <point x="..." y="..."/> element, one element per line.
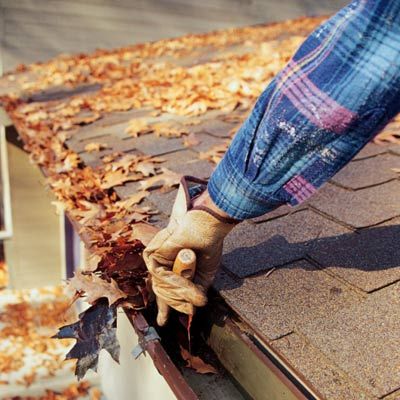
<point x="196" y="228"/>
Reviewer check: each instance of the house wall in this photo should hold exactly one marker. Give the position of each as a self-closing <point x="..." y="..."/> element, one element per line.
<point x="33" y="30"/>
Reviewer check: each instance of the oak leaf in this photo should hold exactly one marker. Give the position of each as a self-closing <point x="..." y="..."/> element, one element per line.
<point x="387" y="136"/>
<point x="118" y="177"/>
<point x="95" y="287"/>
<point x="94" y="147"/>
<point x="143" y="232"/>
<point x="133" y="199"/>
<point x="191" y="140"/>
<point x="166" y="179"/>
<point x="137" y="127"/>
<point x="95" y="330"/>
<point x="196" y="363"/>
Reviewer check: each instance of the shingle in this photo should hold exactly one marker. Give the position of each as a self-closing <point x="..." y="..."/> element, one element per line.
<point x="393" y="396"/>
<point x="328" y="379"/>
<point x="359" y="208"/>
<point x="371" y="150"/>
<point x="395" y="148"/>
<point x="363" y="339"/>
<point x="110" y="124"/>
<point x="275" y="304"/>
<point x="368" y="172"/>
<point x="160" y="220"/>
<point x="127" y="189"/>
<point x="186" y="162"/>
<point x="368" y="259"/>
<point x="251" y="248"/>
<point x="93" y="159"/>
<point x="152" y="145"/>
<point x="214" y="127"/>
<point x="207" y="142"/>
<point x="278" y="212"/>
<point x="163" y="201"/>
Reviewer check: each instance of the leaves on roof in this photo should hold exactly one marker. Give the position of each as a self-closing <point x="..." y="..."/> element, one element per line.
<point x="95" y="147"/>
<point x="167" y="179"/>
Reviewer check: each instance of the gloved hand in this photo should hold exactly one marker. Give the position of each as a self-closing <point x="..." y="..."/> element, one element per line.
<point x="198" y="228"/>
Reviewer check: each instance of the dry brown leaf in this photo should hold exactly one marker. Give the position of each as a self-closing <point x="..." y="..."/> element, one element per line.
<point x="70" y="162"/>
<point x="196" y="363"/>
<point x="146" y="167"/>
<point x="118" y="177"/>
<point x="95" y="287"/>
<point x="137" y="127"/>
<point x="132" y="200"/>
<point x="191" y="140"/>
<point x="169" y="129"/>
<point x="90" y="211"/>
<point x="143" y="232"/>
<point x="94" y="147"/>
<point x="166" y="179"/>
<point x="387" y="137"/>
<point x="92" y="262"/>
<point x="215" y="153"/>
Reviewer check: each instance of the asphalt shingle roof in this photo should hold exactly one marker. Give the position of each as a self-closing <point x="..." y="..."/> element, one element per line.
<point x="318" y="283"/>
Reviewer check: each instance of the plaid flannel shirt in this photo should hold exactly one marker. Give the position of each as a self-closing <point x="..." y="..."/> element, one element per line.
<point x="340" y="88"/>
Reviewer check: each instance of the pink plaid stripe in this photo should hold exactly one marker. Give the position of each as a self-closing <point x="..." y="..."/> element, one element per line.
<point x="312" y="102"/>
<point x="299" y="188"/>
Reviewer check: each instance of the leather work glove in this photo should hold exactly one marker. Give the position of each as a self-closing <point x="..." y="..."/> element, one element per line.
<point x="198" y="228"/>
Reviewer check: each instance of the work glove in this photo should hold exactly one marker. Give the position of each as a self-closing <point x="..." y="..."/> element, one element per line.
<point x="196" y="228"/>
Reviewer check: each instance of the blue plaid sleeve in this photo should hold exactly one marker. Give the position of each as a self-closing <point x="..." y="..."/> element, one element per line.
<point x="340" y="88"/>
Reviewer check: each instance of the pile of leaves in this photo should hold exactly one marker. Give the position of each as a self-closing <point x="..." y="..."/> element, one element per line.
<point x="27" y="321"/>
<point x="74" y="391"/>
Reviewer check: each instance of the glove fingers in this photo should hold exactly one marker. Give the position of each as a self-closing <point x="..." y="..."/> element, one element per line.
<point x="179" y="288"/>
<point x="163" y="311"/>
<point x="178" y="305"/>
<point x="207" y="267"/>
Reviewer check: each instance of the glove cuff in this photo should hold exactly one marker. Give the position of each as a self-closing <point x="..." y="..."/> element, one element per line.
<point x="194" y="187"/>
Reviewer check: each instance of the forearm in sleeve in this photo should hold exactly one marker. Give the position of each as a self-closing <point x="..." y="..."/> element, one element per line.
<point x="340" y="88"/>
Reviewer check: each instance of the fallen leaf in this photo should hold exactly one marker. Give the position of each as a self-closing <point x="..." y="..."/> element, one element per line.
<point x="169" y="129"/>
<point x="94" y="287"/>
<point x="118" y="177"/>
<point x="92" y="262"/>
<point x="166" y="179"/>
<point x="146" y="168"/>
<point x="94" y="147"/>
<point x="215" y="153"/>
<point x="387" y="137"/>
<point x="70" y="162"/>
<point x="88" y="212"/>
<point x="131" y="200"/>
<point x="196" y="363"/>
<point x="191" y="140"/>
<point x="95" y="330"/>
<point x="137" y="127"/>
<point x="143" y="232"/>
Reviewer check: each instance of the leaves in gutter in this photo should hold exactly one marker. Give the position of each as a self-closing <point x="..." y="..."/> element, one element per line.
<point x="95" y="330"/>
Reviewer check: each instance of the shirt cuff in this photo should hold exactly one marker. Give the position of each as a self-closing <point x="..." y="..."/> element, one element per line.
<point x="233" y="193"/>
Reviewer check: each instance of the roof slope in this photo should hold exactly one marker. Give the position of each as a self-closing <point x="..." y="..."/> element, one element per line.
<point x="320" y="283"/>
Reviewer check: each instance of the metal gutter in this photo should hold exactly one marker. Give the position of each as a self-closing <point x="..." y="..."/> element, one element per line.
<point x="161" y="360"/>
